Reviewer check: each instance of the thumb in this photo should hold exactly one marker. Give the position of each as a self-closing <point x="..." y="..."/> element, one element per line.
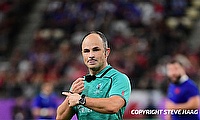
<point x="66" y="93"/>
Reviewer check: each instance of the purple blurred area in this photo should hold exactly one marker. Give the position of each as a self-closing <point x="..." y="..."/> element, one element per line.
<point x="8" y="106"/>
<point x="6" y="109"/>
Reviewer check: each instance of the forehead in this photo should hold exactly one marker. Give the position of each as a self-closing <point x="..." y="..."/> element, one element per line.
<point x="92" y="40"/>
<point x="173" y="66"/>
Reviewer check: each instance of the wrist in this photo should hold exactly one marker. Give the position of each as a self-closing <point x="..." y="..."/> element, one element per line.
<point x="71" y="91"/>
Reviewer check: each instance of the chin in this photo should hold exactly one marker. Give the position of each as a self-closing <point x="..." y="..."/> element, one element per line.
<point x="91" y="66"/>
<point x="94" y="68"/>
<point x="175" y="81"/>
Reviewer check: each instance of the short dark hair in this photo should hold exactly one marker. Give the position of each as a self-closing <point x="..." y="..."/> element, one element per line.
<point x="173" y="61"/>
<point x="103" y="37"/>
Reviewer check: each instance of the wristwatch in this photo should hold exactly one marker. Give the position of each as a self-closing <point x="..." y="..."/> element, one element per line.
<point x="82" y="101"/>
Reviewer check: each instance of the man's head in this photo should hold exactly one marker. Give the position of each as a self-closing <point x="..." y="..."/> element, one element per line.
<point x="174" y="71"/>
<point x="95" y="51"/>
<point x="47" y="88"/>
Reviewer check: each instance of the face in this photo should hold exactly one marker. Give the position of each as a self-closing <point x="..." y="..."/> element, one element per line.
<point x="174" y="72"/>
<point x="94" y="53"/>
<point x="47" y="88"/>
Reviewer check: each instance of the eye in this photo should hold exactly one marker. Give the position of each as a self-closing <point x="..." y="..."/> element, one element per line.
<point x="86" y="50"/>
<point x="96" y="49"/>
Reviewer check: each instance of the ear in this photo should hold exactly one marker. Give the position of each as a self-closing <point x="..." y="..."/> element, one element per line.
<point x="107" y="52"/>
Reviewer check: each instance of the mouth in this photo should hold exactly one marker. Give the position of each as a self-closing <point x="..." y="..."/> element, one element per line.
<point x="92" y="61"/>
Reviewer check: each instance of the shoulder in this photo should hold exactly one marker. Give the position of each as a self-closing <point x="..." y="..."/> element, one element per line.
<point x="115" y="74"/>
<point x="190" y="82"/>
<point x="191" y="88"/>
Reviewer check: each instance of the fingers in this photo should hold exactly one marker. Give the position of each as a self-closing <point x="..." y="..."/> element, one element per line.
<point x="68" y="99"/>
<point x="66" y="93"/>
<point x="72" y="99"/>
<point x="78" y="85"/>
<point x="78" y="80"/>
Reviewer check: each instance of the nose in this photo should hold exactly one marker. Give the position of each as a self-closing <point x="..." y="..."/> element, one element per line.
<point x="91" y="54"/>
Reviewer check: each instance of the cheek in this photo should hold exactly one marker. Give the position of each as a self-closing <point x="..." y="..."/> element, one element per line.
<point x="170" y="74"/>
<point x="84" y="58"/>
<point x="173" y="75"/>
<point x="101" y="57"/>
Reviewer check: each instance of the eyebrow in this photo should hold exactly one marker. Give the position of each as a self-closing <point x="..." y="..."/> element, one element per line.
<point x="94" y="48"/>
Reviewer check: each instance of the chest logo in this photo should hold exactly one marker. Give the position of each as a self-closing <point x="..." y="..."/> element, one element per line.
<point x="98" y="87"/>
<point x="177" y="91"/>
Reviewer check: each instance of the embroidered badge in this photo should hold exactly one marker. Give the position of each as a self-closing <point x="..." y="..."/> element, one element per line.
<point x="177" y="91"/>
<point x="98" y="88"/>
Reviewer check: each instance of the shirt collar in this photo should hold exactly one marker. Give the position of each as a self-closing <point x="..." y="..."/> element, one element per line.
<point x="102" y="71"/>
<point x="184" y="78"/>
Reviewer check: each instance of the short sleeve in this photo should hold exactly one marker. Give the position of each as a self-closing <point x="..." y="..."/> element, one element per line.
<point x="192" y="89"/>
<point x="121" y="86"/>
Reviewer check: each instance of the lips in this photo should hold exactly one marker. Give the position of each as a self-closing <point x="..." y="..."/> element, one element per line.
<point x="91" y="61"/>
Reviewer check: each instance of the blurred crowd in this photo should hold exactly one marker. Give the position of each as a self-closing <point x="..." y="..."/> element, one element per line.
<point x="13" y="14"/>
<point x="142" y="34"/>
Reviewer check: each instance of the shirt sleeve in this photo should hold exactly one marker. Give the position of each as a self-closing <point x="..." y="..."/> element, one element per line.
<point x="121" y="87"/>
<point x="192" y="89"/>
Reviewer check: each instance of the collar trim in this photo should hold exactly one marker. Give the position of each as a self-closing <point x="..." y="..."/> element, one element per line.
<point x="184" y="78"/>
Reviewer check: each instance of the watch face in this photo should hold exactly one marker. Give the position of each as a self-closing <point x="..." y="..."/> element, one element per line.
<point x="82" y="100"/>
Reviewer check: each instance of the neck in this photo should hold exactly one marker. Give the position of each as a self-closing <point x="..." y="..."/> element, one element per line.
<point x="181" y="79"/>
<point x="94" y="71"/>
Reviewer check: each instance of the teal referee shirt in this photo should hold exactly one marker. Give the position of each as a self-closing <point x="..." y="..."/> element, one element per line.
<point x="108" y="82"/>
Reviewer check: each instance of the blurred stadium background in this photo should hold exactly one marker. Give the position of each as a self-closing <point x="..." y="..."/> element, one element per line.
<point x="40" y="42"/>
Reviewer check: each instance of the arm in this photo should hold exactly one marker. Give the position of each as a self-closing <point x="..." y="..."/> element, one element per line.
<point x="167" y="117"/>
<point x="64" y="111"/>
<point x="105" y="105"/>
<point x="192" y="103"/>
<point x="102" y="105"/>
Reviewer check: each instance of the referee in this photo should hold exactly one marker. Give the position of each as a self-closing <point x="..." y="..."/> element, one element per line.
<point x="102" y="94"/>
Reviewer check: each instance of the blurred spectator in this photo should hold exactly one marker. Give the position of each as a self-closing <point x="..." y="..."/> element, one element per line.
<point x="21" y="109"/>
<point x="13" y="15"/>
<point x="183" y="92"/>
<point x="44" y="104"/>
